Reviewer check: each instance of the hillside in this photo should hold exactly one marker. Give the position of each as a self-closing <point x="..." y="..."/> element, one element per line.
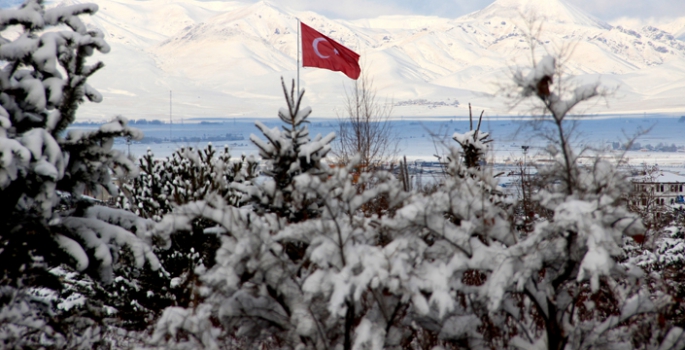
<point x="226" y="58"/>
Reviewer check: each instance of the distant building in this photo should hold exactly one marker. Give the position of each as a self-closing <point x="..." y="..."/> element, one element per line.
<point x="663" y="189"/>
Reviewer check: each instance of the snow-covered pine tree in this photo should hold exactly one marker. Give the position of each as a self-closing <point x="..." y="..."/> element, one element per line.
<point x="46" y="222"/>
<point x="473" y="143"/>
<point x="287" y="154"/>
<point x="321" y="295"/>
<point x="145" y="194"/>
<point x="196" y="173"/>
<point x="187" y="175"/>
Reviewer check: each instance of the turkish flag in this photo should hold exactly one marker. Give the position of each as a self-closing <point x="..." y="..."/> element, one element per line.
<point x="321" y="51"/>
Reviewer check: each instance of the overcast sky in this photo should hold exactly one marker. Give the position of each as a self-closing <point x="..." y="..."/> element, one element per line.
<point x="353" y="9"/>
<point x="603" y="9"/>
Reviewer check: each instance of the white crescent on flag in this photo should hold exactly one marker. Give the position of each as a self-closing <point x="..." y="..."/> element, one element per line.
<point x="315" y="45"/>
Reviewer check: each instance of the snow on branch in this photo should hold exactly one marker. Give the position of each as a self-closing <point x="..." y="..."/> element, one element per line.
<point x="539" y="80"/>
<point x="92" y="159"/>
<point x="123" y="218"/>
<point x="96" y="236"/>
<point x="319" y="146"/>
<point x="29" y="15"/>
<point x="68" y="15"/>
<point x="214" y="208"/>
<point x="14" y="160"/>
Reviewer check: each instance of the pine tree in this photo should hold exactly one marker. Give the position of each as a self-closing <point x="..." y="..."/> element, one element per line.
<point x="163" y="184"/>
<point x="187" y="175"/>
<point x="288" y="153"/>
<point x="304" y="230"/>
<point x="48" y="228"/>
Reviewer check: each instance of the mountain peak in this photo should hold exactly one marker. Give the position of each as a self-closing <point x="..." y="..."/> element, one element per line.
<point x="557" y="11"/>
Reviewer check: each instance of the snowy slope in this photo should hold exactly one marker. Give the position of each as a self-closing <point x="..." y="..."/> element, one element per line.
<point x="677" y="27"/>
<point x="227" y="58"/>
<point x="556" y="11"/>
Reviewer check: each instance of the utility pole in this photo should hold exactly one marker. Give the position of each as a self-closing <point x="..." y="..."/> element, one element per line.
<point x="525" y="150"/>
<point x="170" y="120"/>
<point x="527" y="221"/>
<point x="298" y="57"/>
<point x="128" y="142"/>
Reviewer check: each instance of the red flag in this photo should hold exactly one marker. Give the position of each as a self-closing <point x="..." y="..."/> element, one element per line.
<point x="321" y="51"/>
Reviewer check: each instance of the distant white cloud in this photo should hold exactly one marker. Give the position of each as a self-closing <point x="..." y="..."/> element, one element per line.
<point x="604" y="9"/>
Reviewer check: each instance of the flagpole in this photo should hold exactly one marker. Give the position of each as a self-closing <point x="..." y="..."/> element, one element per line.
<point x="298" y="57"/>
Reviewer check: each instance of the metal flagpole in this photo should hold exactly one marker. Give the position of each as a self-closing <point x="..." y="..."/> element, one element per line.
<point x="298" y="57"/>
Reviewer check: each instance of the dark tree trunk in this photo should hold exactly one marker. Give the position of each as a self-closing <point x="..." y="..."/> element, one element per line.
<point x="349" y="321"/>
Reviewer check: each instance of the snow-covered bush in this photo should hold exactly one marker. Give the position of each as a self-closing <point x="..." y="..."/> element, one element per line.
<point x="146" y="194"/>
<point x="46" y="222"/>
<point x="664" y="260"/>
<point x="474" y="143"/>
<point x="187" y="175"/>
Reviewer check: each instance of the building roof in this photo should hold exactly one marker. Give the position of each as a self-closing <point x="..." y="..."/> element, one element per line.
<point x="663" y="177"/>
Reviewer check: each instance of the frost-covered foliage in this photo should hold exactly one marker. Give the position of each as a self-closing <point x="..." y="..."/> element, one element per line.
<point x="92" y="161"/>
<point x="23" y="323"/>
<point x="474" y="143"/>
<point x="664" y="260"/>
<point x="187" y="175"/>
<point x="146" y="195"/>
<point x="286" y="154"/>
<point x="46" y="222"/>
<point x="308" y="283"/>
<point x="669" y="252"/>
<point x="294" y="281"/>
<point x="443" y="269"/>
<point x="566" y="272"/>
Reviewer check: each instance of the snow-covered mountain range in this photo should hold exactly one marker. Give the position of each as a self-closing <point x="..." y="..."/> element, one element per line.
<point x="225" y="59"/>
